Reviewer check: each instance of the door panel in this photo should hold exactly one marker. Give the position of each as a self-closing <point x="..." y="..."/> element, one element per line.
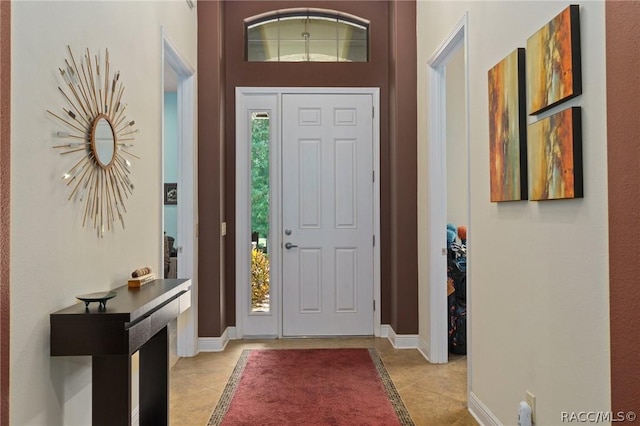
<point x="327" y="205"/>
<point x="310" y="185"/>
<point x="346" y="283"/>
<point x="311" y="292"/>
<point x="345" y="183"/>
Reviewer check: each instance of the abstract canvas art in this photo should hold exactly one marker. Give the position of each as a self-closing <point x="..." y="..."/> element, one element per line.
<point x="553" y="62"/>
<point x="507" y="129"/>
<point x="555" y="156"/>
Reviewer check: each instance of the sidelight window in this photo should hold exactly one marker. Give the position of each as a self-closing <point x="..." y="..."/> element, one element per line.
<point x="260" y="197"/>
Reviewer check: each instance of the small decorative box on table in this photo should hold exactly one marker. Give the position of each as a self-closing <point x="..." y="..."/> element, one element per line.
<point x="141" y="276"/>
<point x="135" y="319"/>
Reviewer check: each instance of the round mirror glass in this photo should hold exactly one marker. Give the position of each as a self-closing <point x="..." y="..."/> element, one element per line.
<point x="103" y="141"/>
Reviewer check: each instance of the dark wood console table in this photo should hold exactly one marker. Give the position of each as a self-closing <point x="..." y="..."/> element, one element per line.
<point x="135" y="319"/>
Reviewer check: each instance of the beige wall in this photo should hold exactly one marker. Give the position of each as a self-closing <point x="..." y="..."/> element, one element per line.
<point x="538" y="272"/>
<point x="53" y="257"/>
<point x="5" y="208"/>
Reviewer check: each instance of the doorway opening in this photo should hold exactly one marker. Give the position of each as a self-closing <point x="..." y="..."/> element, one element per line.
<point x="457" y="188"/>
<point x="170" y="173"/>
<point x="443" y="122"/>
<point x="178" y="202"/>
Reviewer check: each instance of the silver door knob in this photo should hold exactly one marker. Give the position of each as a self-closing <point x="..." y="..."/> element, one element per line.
<point x="289" y="246"/>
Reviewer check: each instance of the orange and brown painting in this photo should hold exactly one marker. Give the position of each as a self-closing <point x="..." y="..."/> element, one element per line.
<point x="506" y="116"/>
<point x="553" y="67"/>
<point x="554" y="155"/>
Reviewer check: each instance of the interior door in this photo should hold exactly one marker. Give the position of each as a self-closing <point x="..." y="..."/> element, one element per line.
<point x="327" y="214"/>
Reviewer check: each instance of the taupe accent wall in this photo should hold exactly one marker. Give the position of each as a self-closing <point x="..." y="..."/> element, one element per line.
<point x="5" y="191"/>
<point x="258" y="74"/>
<point x="403" y="179"/>
<point x="398" y="164"/>
<point x="211" y="303"/>
<point x="623" y="158"/>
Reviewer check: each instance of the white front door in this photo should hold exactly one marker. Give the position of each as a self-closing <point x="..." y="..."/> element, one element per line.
<point x="327" y="214"/>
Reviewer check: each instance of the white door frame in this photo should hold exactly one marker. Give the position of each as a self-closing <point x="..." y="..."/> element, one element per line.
<point x="243" y="219"/>
<point x="187" y="181"/>
<point x="457" y="39"/>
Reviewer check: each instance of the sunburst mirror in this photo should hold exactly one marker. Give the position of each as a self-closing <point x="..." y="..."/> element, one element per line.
<point x="99" y="131"/>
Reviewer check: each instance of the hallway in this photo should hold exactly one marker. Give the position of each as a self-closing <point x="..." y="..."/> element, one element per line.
<point x="433" y="394"/>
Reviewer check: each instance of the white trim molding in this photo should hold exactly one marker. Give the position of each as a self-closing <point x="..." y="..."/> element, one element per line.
<point x="424" y="349"/>
<point x="231" y="332"/>
<point x="384" y="330"/>
<point x="399" y="341"/>
<point x="216" y="344"/>
<point x="481" y="412"/>
<point x="438" y="348"/>
<point x="135" y="416"/>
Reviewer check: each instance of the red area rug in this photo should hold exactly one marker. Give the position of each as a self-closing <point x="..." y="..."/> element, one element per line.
<point x="310" y="387"/>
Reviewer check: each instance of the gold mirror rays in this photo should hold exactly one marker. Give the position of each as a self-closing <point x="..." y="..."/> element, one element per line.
<point x="100" y="132"/>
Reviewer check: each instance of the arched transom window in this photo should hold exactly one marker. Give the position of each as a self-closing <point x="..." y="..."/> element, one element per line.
<point x="307" y="36"/>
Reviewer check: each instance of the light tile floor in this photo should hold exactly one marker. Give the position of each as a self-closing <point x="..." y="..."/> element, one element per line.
<point x="434" y="394"/>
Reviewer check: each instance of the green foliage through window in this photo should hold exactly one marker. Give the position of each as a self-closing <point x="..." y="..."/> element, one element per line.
<point x="260" y="175"/>
<point x="259" y="280"/>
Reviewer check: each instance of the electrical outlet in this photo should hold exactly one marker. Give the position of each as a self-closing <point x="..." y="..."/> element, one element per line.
<point x="531" y="400"/>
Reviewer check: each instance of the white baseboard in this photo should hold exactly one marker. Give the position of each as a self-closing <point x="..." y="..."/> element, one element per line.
<point x="481" y="412"/>
<point x="135" y="416"/>
<point x="399" y="341"/>
<point x="216" y="344"/>
<point x="384" y="330"/>
<point x="231" y="331"/>
<point x="424" y="348"/>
